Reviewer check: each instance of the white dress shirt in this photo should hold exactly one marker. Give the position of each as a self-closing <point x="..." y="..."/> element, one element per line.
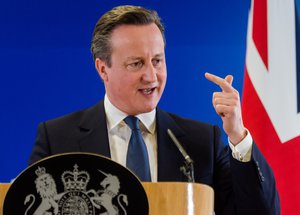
<point x="119" y="135"/>
<point x="243" y="150"/>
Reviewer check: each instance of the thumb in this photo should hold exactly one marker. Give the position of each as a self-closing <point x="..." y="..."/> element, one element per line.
<point x="229" y="79"/>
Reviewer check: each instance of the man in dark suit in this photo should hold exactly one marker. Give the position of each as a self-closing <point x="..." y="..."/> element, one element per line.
<point x="129" y="51"/>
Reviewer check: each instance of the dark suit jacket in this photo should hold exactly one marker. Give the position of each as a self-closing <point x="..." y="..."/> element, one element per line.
<point x="240" y="188"/>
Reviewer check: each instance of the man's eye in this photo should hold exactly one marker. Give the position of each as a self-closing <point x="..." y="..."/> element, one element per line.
<point x="135" y="65"/>
<point x="156" y="62"/>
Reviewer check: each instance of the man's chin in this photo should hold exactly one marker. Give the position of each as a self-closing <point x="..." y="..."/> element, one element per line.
<point x="146" y="109"/>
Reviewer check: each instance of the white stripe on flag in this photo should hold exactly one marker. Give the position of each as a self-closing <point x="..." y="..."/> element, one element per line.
<point x="277" y="88"/>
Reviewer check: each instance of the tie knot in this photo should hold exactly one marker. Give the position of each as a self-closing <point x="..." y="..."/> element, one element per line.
<point x="132" y="122"/>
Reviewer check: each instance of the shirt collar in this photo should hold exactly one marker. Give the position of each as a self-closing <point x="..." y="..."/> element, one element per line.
<point x="115" y="117"/>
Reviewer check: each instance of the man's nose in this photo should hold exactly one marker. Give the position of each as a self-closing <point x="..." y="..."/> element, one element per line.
<point x="150" y="74"/>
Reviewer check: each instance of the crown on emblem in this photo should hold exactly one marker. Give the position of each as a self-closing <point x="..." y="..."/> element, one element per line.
<point x="40" y="171"/>
<point x="76" y="180"/>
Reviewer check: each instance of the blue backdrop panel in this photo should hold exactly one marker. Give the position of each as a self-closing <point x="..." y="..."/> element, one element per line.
<point x="47" y="69"/>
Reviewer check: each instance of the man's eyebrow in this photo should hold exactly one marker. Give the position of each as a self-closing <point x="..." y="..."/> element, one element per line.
<point x="133" y="58"/>
<point x="160" y="55"/>
<point x="140" y="58"/>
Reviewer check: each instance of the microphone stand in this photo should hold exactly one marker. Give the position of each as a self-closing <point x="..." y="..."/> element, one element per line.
<point x="188" y="171"/>
<point x="188" y="168"/>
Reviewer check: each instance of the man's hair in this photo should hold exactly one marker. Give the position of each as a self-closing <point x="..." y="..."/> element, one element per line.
<point x="121" y="15"/>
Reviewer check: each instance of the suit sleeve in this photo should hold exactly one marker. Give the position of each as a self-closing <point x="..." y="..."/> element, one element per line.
<point x="41" y="147"/>
<point x="254" y="185"/>
<point x="243" y="188"/>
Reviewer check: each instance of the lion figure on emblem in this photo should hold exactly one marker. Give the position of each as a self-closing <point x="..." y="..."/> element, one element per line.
<point x="46" y="187"/>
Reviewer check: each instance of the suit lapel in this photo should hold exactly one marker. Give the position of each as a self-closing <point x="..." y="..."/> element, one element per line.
<point x="93" y="135"/>
<point x="93" y="138"/>
<point x="169" y="158"/>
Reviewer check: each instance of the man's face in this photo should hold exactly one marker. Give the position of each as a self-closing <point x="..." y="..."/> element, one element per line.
<point x="136" y="79"/>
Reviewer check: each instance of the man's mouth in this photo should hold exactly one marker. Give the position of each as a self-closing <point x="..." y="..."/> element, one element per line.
<point x="147" y="91"/>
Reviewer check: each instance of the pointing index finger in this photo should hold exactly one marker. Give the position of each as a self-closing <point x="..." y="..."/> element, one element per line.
<point x="224" y="84"/>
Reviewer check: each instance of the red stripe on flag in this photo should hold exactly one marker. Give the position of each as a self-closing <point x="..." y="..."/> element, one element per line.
<point x="260" y="30"/>
<point x="283" y="158"/>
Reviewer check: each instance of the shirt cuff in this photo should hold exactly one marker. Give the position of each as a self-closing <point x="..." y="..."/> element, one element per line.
<point x="242" y="151"/>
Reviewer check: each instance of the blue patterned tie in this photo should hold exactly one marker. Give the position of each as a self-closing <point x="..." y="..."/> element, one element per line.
<point x="137" y="155"/>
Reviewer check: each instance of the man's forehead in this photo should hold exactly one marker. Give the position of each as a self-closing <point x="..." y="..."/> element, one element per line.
<point x="135" y="41"/>
<point x="128" y="32"/>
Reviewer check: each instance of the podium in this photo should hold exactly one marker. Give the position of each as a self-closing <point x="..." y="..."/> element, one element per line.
<point x="84" y="183"/>
<point x="178" y="198"/>
<point x="3" y="190"/>
<point x="167" y="198"/>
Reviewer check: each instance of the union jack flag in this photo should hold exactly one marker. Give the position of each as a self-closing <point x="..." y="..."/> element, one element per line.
<point x="271" y="94"/>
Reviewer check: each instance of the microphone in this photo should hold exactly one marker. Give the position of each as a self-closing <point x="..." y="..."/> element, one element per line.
<point x="188" y="168"/>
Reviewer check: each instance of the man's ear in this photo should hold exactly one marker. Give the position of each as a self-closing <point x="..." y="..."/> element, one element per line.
<point x="101" y="69"/>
